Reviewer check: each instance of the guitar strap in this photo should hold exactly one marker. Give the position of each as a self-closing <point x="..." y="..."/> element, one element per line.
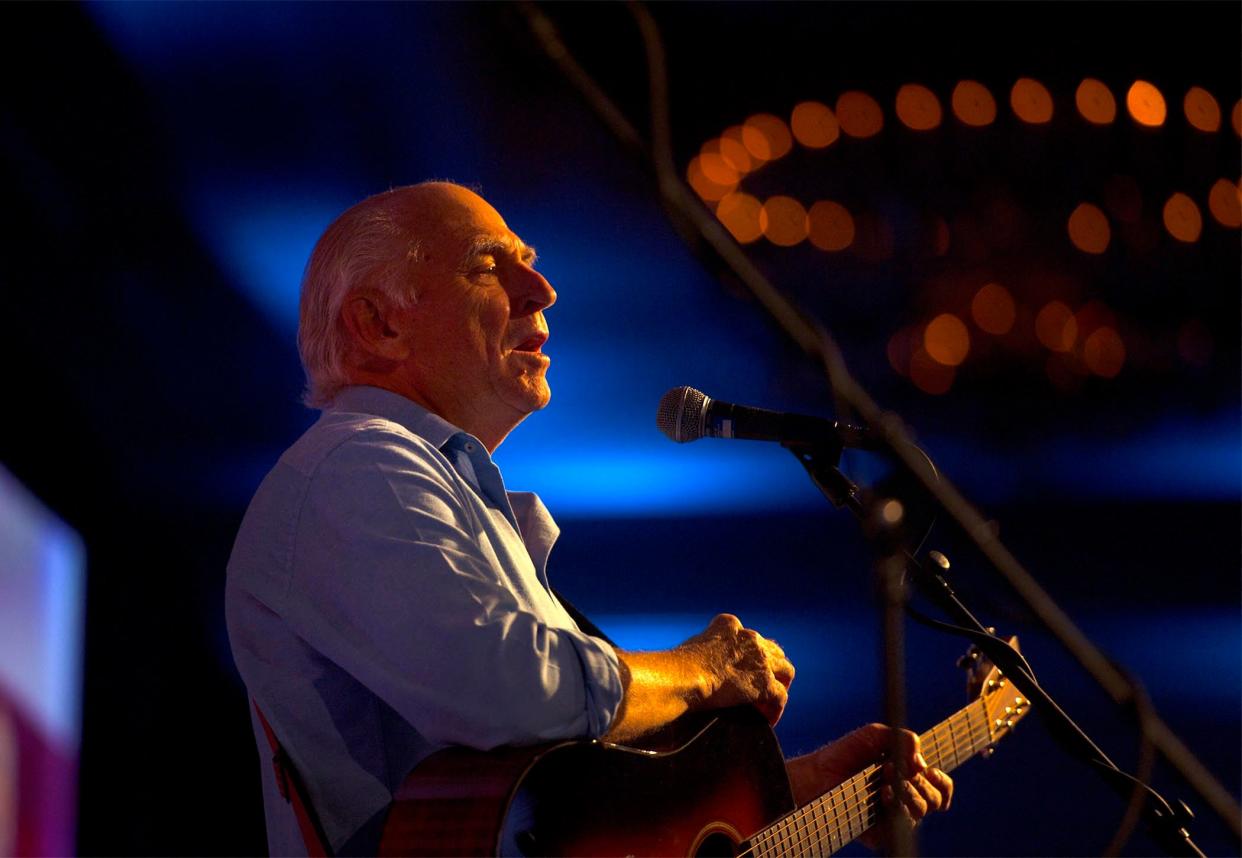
<point x="584" y="623"/>
<point x="293" y="791"/>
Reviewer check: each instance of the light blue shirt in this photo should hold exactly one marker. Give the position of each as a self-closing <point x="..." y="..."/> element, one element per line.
<point x="387" y="597"/>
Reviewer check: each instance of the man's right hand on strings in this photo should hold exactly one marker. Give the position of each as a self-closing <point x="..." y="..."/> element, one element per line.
<point x="725" y="665"/>
<point x="741" y="666"/>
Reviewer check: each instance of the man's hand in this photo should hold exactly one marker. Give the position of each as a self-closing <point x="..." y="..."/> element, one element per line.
<point x="725" y="665"/>
<point x="740" y="666"/>
<point x="912" y="788"/>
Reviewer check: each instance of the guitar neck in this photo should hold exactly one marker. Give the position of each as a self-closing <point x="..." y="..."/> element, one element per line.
<point x="839" y="816"/>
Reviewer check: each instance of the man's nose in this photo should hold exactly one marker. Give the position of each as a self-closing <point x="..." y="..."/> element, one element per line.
<point x="530" y="292"/>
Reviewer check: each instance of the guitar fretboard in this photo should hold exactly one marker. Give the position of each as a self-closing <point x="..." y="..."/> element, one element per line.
<point x="839" y="816"/>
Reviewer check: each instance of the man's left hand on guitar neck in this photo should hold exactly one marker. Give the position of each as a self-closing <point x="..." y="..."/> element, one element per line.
<point x="913" y="788"/>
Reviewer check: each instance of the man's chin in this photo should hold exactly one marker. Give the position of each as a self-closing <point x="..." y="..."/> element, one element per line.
<point x="541" y="398"/>
<point x="531" y="397"/>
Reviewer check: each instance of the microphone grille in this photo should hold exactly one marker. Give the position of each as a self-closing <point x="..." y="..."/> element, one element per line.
<point x="680" y="415"/>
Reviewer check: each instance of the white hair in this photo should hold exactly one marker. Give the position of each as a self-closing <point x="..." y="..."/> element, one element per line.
<point x="369" y="245"/>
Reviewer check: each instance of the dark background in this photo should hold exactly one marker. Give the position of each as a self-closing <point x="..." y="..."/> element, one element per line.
<point x="168" y="167"/>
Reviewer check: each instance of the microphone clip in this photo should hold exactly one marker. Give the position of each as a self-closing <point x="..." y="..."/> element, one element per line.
<point x="821" y="460"/>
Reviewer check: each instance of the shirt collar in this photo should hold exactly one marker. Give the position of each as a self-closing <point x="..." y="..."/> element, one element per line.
<point x="397" y="408"/>
<point x="537" y="529"/>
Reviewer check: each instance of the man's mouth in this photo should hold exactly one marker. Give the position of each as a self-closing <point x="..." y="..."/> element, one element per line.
<point x="533" y="343"/>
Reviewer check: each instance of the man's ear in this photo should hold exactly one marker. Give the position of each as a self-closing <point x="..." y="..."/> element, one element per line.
<point x="375" y="326"/>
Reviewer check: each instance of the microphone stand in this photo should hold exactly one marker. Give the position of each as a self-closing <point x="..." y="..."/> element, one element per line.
<point x="703" y="231"/>
<point x="882" y="520"/>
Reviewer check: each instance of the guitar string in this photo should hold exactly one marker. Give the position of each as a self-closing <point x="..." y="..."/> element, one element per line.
<point x="824" y="815"/>
<point x="824" y="827"/>
<point x="824" y="824"/>
<point x="818" y="812"/>
<point x="857" y="823"/>
<point x="829" y="815"/>
<point x="790" y="831"/>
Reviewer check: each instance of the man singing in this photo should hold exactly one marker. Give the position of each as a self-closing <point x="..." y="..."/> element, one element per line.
<point x="387" y="597"/>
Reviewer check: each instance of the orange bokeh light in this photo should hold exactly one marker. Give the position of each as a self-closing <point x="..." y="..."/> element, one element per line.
<point x="733" y="151"/>
<point x="1225" y="203"/>
<point x="1031" y="101"/>
<point x="715" y="166"/>
<point x="703" y="186"/>
<point x="740" y="214"/>
<point x="973" y="104"/>
<point x="1201" y="109"/>
<point x="946" y="340"/>
<point x="918" y="107"/>
<point x="766" y="137"/>
<point x="831" y="226"/>
<point x="1182" y="218"/>
<point x="1092" y="315"/>
<point x="993" y="309"/>
<point x="783" y="221"/>
<point x="1146" y="104"/>
<point x="1095" y="102"/>
<point x="930" y="376"/>
<point x="1103" y="352"/>
<point x="814" y="125"/>
<point x="756" y="145"/>
<point x="859" y="114"/>
<point x="1088" y="229"/>
<point x="733" y="148"/>
<point x="1056" y="327"/>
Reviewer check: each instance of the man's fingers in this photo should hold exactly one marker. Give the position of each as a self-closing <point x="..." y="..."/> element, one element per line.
<point x="774" y="648"/>
<point x="783" y="670"/>
<point x="901" y="747"/>
<point x="753" y="667"/>
<point x="943" y="784"/>
<point x="773" y="656"/>
<point x="918" y="796"/>
<point x="913" y="798"/>
<point x="773" y="703"/>
<point x="893" y="798"/>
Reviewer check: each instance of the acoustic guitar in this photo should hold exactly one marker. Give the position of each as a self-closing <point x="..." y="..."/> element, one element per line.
<point x="715" y="786"/>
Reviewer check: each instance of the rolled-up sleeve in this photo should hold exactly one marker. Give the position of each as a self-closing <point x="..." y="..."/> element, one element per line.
<point x="394" y="582"/>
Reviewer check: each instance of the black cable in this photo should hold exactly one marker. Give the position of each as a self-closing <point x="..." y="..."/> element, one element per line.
<point x="1144" y="769"/>
<point x="973" y="635"/>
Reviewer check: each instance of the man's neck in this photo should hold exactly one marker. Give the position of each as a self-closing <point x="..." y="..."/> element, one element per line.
<point x="490" y="430"/>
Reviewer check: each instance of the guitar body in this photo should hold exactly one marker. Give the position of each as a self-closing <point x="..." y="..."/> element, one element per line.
<point x="702" y="787"/>
<point x="700" y="791"/>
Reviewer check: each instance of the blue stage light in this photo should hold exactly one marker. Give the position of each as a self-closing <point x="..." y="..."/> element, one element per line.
<point x="263" y="245"/>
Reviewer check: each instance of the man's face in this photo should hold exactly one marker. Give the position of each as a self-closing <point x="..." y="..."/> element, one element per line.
<point x="478" y="324"/>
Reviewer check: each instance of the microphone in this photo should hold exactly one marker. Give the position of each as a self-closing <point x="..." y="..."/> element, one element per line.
<point x="686" y="414"/>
